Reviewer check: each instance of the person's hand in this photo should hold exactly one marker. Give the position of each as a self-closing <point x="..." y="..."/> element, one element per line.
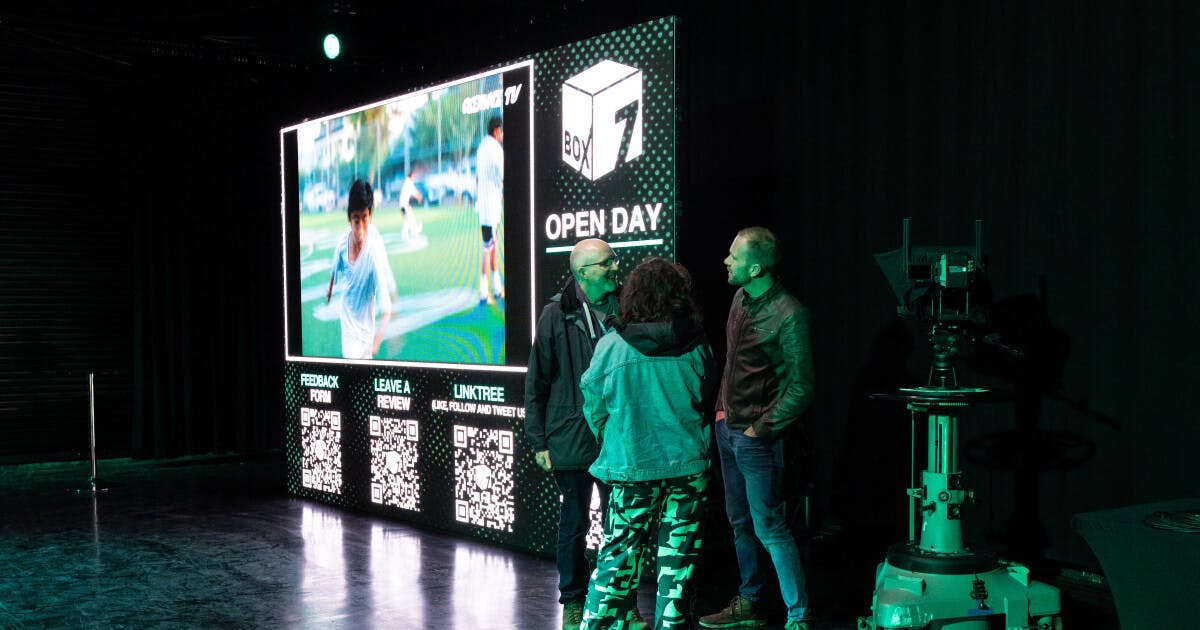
<point x="749" y="432"/>
<point x="543" y="460"/>
<point x="720" y="416"/>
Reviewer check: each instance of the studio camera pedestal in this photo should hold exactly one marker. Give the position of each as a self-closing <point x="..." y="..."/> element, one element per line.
<point x="936" y="582"/>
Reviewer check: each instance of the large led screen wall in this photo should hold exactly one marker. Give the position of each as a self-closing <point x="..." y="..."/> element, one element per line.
<point x="407" y="332"/>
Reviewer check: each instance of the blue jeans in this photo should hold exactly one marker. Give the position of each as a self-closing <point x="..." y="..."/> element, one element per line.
<point x="574" y="519"/>
<point x="753" y="471"/>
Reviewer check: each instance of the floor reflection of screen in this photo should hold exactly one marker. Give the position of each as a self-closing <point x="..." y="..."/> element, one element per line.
<point x="488" y="580"/>
<point x="395" y="565"/>
<point x="323" y="582"/>
<point x="321" y="441"/>
<point x="483" y="477"/>
<point x="395" y="478"/>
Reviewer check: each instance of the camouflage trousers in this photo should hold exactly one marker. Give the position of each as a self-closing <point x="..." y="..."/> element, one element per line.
<point x="676" y="507"/>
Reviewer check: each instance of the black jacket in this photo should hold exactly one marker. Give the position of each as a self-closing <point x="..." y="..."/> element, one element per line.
<point x="768" y="379"/>
<point x="562" y="350"/>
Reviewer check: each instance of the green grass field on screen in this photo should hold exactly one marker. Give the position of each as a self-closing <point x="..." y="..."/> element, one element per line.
<point x="438" y="316"/>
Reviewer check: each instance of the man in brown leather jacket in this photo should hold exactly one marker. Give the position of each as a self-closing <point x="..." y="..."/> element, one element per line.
<point x="767" y="385"/>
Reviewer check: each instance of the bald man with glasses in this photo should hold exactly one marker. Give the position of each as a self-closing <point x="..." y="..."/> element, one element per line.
<point x="567" y="331"/>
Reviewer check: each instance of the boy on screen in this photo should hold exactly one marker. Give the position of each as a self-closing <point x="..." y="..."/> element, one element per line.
<point x="366" y="278"/>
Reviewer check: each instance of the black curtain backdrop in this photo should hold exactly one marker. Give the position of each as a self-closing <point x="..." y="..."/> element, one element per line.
<point x="208" y="282"/>
<point x="1067" y="127"/>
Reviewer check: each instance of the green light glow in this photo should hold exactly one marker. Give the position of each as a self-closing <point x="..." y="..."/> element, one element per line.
<point x="333" y="46"/>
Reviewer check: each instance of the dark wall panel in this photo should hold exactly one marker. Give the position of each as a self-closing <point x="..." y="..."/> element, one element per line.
<point x="64" y="252"/>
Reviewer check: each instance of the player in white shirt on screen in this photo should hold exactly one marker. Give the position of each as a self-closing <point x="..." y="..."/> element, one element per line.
<point x="360" y="263"/>
<point x="489" y="203"/>
<point x="409" y="192"/>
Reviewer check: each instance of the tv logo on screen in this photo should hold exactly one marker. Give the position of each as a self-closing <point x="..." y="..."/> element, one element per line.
<point x="602" y="118"/>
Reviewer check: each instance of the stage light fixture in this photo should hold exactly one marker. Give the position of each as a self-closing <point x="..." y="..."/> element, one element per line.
<point x="332" y="45"/>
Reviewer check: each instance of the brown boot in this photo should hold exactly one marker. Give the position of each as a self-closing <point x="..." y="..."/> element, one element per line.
<point x="740" y="613"/>
<point x="636" y="622"/>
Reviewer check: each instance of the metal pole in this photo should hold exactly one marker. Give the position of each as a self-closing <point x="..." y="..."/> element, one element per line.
<point x="912" y="475"/>
<point x="92" y="424"/>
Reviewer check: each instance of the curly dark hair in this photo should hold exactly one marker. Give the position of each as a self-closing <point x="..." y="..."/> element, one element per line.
<point x="658" y="290"/>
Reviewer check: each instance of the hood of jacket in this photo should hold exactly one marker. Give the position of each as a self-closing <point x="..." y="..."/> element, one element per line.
<point x="671" y="339"/>
<point x="568" y="298"/>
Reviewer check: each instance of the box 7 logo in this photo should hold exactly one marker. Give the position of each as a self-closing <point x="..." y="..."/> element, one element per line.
<point x="602" y="118"/>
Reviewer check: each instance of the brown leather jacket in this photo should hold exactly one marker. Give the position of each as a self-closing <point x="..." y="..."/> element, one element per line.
<point x="768" y="378"/>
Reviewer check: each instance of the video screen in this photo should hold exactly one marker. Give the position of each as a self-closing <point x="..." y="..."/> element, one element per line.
<point x="409" y="326"/>
<point x="401" y="218"/>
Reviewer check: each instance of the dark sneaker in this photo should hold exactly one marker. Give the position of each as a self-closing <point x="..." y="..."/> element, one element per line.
<point x="740" y="613"/>
<point x="572" y="615"/>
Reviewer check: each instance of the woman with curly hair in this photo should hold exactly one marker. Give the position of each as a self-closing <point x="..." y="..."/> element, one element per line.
<point x="647" y="398"/>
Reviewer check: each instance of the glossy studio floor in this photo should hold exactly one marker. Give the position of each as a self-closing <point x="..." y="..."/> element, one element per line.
<point x="215" y="542"/>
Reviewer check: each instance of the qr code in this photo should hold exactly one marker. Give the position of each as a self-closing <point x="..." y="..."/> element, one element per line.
<point x="321" y="442"/>
<point x="595" y="533"/>
<point x="394" y="476"/>
<point x="483" y="477"/>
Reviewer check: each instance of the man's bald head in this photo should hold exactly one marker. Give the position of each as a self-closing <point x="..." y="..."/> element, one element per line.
<point x="588" y="251"/>
<point x="594" y="266"/>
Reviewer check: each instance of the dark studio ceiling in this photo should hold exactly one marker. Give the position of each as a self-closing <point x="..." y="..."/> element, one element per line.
<point x="431" y="37"/>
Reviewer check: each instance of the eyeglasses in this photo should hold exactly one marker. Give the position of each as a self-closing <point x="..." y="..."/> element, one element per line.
<point x="607" y="263"/>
